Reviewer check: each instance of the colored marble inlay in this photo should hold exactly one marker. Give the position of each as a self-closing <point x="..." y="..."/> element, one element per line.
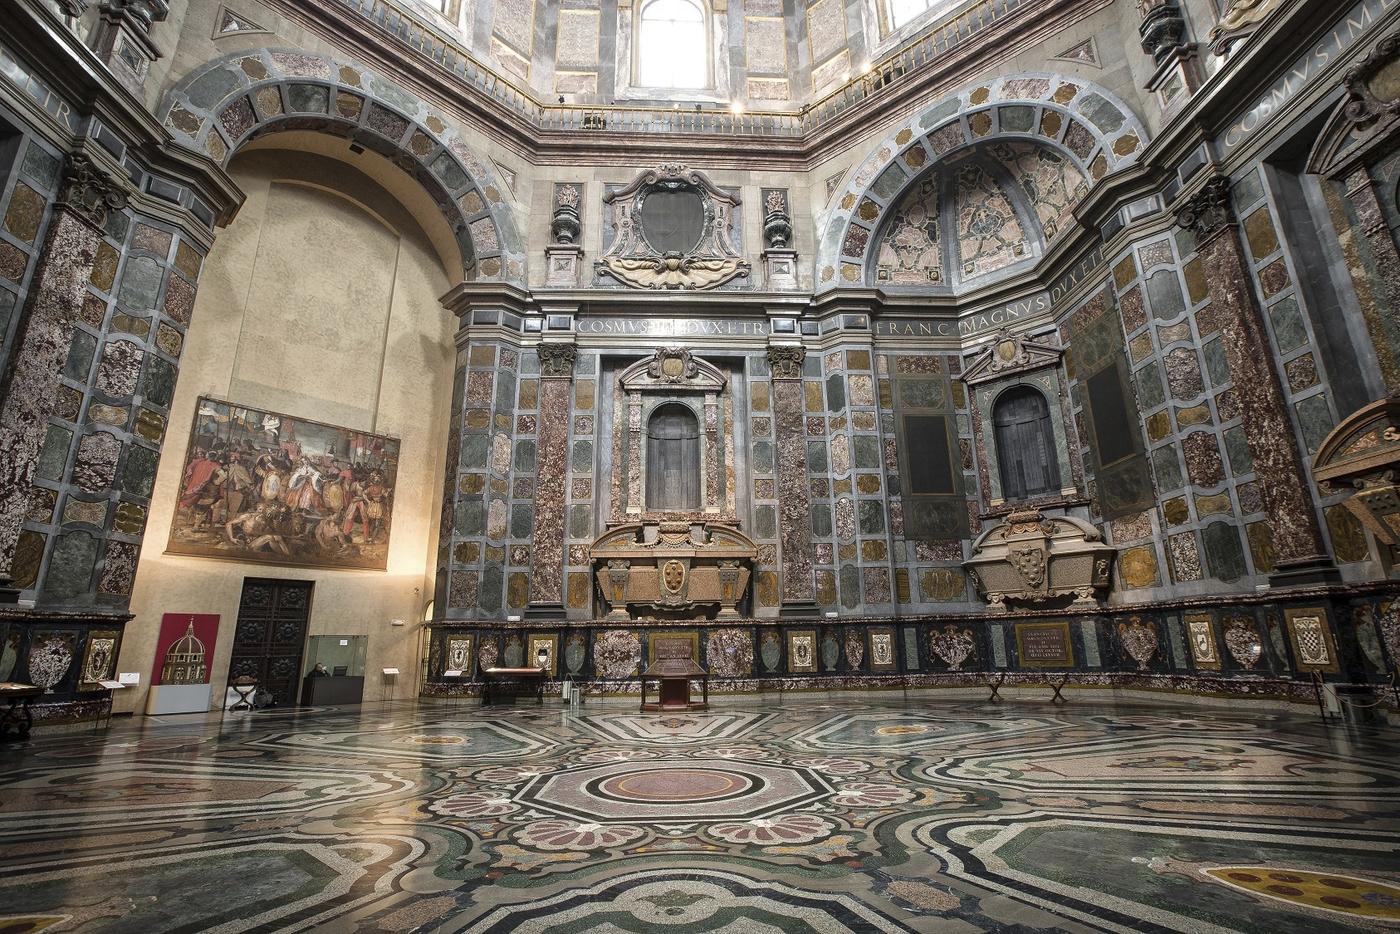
<point x="606" y="820"/>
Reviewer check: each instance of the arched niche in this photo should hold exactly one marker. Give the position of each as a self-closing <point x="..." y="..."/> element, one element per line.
<point x="670" y="381"/>
<point x="1012" y="363"/>
<point x="673" y="458"/>
<point x="1084" y="123"/>
<point x="221" y="107"/>
<point x="1024" y="435"/>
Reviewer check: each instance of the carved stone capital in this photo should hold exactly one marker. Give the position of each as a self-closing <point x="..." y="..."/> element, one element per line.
<point x="90" y="192"/>
<point x="557" y="360"/>
<point x="1209" y="211"/>
<point x="786" y="361"/>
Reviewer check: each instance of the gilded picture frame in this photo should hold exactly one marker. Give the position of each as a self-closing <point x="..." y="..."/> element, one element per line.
<point x="802" y="651"/>
<point x="550" y="643"/>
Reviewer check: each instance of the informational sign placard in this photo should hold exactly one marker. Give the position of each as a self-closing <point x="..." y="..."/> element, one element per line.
<point x="1044" y="645"/>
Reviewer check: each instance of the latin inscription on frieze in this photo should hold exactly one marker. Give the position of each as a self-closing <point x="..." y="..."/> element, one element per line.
<point x="20" y="75"/>
<point x="976" y="323"/>
<point x="674" y="327"/>
<point x="1351" y="27"/>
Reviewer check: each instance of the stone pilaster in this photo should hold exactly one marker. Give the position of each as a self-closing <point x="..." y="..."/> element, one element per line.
<point x="1268" y="430"/>
<point x="59" y="285"/>
<point x="1361" y="190"/>
<point x="547" y="545"/>
<point x="794" y="492"/>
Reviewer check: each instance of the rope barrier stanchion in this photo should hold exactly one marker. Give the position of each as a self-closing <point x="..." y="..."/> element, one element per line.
<point x="1317" y="691"/>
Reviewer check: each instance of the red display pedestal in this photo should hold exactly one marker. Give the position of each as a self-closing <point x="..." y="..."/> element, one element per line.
<point x="674" y="668"/>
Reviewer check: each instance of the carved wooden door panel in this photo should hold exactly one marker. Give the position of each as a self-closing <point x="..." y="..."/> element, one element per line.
<point x="271" y="633"/>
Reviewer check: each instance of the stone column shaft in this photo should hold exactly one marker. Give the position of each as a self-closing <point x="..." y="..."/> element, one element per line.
<point x="547" y="540"/>
<point x="794" y="492"/>
<point x="46" y="332"/>
<point x="1268" y="430"/>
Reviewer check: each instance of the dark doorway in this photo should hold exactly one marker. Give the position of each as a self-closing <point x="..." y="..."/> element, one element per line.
<point x="271" y="634"/>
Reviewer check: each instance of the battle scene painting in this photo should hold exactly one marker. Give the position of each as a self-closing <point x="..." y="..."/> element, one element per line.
<point x="259" y="486"/>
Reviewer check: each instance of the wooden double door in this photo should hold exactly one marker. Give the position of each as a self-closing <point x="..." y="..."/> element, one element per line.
<point x="271" y="635"/>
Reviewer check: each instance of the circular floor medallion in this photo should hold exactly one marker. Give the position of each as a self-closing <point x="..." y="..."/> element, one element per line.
<point x="676" y="785"/>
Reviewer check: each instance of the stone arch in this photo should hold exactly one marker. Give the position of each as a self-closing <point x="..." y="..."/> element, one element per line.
<point x="1077" y="119"/>
<point x="219" y="108"/>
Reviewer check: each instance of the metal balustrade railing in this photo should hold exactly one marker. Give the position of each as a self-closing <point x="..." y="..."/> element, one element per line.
<point x="438" y="45"/>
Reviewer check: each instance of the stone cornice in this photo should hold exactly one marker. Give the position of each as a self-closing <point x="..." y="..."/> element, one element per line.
<point x="77" y="75"/>
<point x="541" y="144"/>
<point x="465" y="296"/>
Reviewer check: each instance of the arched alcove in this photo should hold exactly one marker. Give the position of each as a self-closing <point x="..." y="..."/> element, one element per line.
<point x="318" y="304"/>
<point x="1012" y="128"/>
<point x="220" y="108"/>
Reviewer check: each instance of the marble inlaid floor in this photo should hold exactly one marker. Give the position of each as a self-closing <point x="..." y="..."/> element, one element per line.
<point x="780" y="814"/>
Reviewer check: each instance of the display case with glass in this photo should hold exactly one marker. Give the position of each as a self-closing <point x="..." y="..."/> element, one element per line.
<point x="334" y="670"/>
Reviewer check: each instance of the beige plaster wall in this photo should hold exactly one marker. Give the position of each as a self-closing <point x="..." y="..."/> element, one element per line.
<point x="319" y="301"/>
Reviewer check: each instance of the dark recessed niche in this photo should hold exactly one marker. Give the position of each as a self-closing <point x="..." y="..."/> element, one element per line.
<point x="673" y="219"/>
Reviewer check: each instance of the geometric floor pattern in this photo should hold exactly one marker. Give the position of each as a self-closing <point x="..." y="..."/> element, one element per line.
<point x="862" y="814"/>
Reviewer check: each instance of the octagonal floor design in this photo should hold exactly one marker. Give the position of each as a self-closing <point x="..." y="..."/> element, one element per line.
<point x="853" y="814"/>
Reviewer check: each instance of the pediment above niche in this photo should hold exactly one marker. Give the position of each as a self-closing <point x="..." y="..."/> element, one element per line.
<point x="673" y="369"/>
<point x="1009" y="354"/>
<point x="672" y="228"/>
<point x="1368" y="118"/>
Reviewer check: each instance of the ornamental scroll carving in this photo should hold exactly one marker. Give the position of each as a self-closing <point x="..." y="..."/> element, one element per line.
<point x="1372" y="91"/>
<point x="672" y="229"/>
<point x="786" y="362"/>
<point x="1209" y="211"/>
<point x="1241" y="19"/>
<point x="1009" y="354"/>
<point x="1366" y="122"/>
<point x="91" y="192"/>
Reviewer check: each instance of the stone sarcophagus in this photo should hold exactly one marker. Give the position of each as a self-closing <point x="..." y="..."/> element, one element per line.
<point x="1034" y="559"/>
<point x="678" y="570"/>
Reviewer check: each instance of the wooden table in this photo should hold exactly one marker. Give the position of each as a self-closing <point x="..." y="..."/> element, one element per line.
<point x="493" y="679"/>
<point x="16" y="713"/>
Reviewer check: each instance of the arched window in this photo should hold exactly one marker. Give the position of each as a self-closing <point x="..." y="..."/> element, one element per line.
<point x="673" y="459"/>
<point x="1025" y="442"/>
<point x="902" y="12"/>
<point x="672" y="45"/>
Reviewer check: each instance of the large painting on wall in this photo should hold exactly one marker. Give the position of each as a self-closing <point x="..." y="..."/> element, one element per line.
<point x="260" y="486"/>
